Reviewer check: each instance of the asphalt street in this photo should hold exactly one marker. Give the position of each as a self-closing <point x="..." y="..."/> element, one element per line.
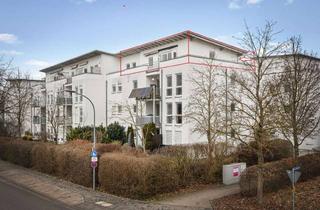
<point x="14" y="197"/>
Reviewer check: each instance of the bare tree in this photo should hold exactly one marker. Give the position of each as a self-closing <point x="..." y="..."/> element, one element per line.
<point x="53" y="115"/>
<point x="253" y="118"/>
<point x="132" y="114"/>
<point x="300" y="95"/>
<point x="19" y="100"/>
<point x="205" y="107"/>
<point x="5" y="73"/>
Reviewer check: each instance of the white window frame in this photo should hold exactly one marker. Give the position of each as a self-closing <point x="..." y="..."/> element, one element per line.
<point x="169" y="87"/>
<point x="113" y="109"/>
<point x="178" y="115"/>
<point x="178" y="87"/>
<point x="169" y="115"/>
<point x="135" y="84"/>
<point x="80" y="114"/>
<point x="114" y="88"/>
<point x="119" y="87"/>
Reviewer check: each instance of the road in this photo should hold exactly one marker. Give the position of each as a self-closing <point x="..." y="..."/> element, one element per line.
<point x="13" y="197"/>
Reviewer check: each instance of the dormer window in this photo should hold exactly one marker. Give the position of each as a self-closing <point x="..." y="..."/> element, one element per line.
<point x="128" y="65"/>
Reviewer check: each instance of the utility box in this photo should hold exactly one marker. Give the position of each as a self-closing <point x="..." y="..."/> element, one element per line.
<point x="231" y="173"/>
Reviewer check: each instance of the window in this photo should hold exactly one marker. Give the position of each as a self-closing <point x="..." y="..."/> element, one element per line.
<point x="91" y="69"/>
<point x="135" y="84"/>
<point x="134" y="64"/>
<point x="114" y="88"/>
<point x="76" y="95"/>
<point x="169" y="113"/>
<point x="174" y="55"/>
<point x="179" y="113"/>
<point x="169" y="85"/>
<point x="233" y="79"/>
<point x="178" y="84"/>
<point x="119" y="109"/>
<point x="164" y="57"/>
<point x="212" y="54"/>
<point x="150" y="61"/>
<point x="135" y="108"/>
<point x="128" y="65"/>
<point x="119" y="87"/>
<point x="81" y="92"/>
<point x="233" y="107"/>
<point x="85" y="70"/>
<point x="233" y="133"/>
<point x="114" y="110"/>
<point x="81" y="115"/>
<point x="169" y="56"/>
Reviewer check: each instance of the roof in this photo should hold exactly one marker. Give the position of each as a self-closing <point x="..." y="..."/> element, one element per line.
<point x="176" y="37"/>
<point x="27" y="80"/>
<point x="141" y="93"/>
<point x="299" y="55"/>
<point x="146" y="46"/>
<point x="75" y="60"/>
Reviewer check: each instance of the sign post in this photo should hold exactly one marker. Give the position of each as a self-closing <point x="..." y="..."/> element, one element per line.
<point x="94" y="163"/>
<point x="294" y="174"/>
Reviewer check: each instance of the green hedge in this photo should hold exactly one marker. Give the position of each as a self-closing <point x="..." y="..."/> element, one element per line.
<point x="275" y="175"/>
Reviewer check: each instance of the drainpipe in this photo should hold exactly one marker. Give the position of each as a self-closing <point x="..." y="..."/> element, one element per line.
<point x="154" y="103"/>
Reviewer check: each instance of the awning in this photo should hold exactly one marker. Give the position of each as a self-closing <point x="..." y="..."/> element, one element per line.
<point x="141" y="93"/>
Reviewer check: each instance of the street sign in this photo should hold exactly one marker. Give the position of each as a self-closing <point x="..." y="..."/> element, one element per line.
<point x="294" y="175"/>
<point x="94" y="153"/>
<point x="94" y="159"/>
<point x="94" y="164"/>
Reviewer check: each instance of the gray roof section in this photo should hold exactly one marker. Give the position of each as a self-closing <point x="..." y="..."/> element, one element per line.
<point x="75" y="60"/>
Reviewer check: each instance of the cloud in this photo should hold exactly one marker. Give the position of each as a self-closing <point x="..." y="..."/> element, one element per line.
<point x="10" y="52"/>
<point x="8" y="38"/>
<point x="238" y="4"/>
<point x="254" y="1"/>
<point x="37" y="63"/>
<point x="234" y="4"/>
<point x="288" y="2"/>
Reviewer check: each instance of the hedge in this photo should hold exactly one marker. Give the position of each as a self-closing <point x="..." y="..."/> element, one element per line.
<point x="70" y="161"/>
<point x="137" y="177"/>
<point x="273" y="150"/>
<point x="275" y="175"/>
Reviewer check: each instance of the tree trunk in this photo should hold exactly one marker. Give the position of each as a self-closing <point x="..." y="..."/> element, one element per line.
<point x="260" y="178"/>
<point x="296" y="147"/>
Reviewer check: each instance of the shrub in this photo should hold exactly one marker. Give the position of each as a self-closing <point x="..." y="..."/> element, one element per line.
<point x="114" y="132"/>
<point x="273" y="150"/>
<point x="86" y="133"/>
<point x="149" y="130"/>
<point x="275" y="175"/>
<point x="137" y="177"/>
<point x="17" y="152"/>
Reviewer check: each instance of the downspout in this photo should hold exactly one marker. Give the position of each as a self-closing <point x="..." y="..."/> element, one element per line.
<point x="106" y="102"/>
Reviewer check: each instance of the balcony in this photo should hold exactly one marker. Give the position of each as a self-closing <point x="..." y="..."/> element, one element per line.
<point x="43" y="120"/>
<point x="64" y="101"/>
<point x="153" y="68"/>
<point x="69" y="81"/>
<point x="65" y="120"/>
<point x="147" y="119"/>
<point x="38" y="103"/>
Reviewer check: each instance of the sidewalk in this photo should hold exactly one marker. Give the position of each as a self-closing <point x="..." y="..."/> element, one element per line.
<point x="201" y="198"/>
<point x="75" y="196"/>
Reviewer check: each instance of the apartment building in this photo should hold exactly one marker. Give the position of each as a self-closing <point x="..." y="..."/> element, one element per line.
<point x="21" y="115"/>
<point x="164" y="67"/>
<point x="85" y="74"/>
<point x="146" y="83"/>
<point x="38" y="111"/>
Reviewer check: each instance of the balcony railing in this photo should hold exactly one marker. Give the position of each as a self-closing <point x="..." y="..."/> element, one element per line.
<point x="69" y="80"/>
<point x="153" y="68"/>
<point x="65" y="120"/>
<point x="147" y="119"/>
<point x="64" y="101"/>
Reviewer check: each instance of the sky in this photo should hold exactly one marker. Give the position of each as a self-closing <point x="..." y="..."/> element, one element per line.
<point x="40" y="33"/>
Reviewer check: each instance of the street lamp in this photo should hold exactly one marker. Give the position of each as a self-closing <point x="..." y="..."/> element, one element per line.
<point x="94" y="134"/>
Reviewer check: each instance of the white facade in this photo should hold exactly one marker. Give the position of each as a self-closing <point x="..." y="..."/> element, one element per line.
<point x="109" y="79"/>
